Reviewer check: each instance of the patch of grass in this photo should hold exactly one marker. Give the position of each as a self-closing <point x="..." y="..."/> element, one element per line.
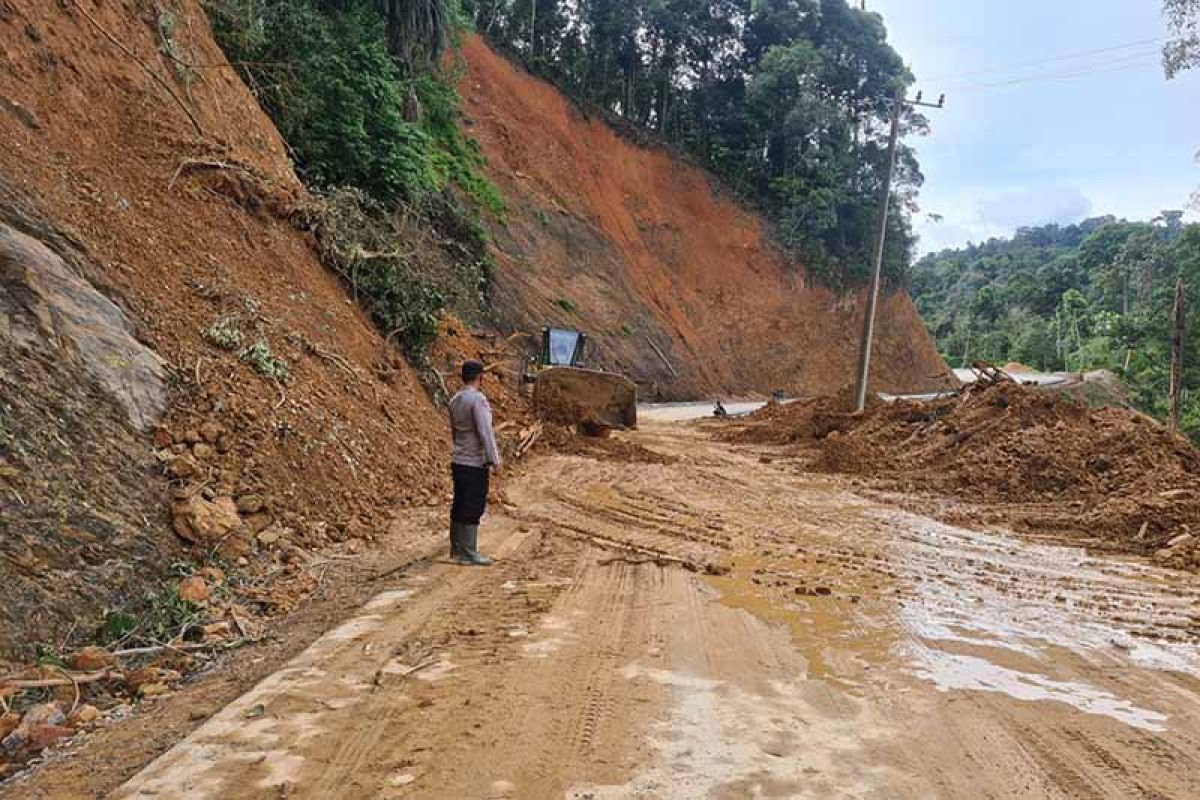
<point x="117" y="625"/>
<point x="567" y="305"/>
<point x="264" y="362"/>
<point x="627" y="329"/>
<point x="225" y="334"/>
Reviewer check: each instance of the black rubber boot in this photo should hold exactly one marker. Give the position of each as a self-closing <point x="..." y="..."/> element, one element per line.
<point x="457" y="540"/>
<point x="471" y="556"/>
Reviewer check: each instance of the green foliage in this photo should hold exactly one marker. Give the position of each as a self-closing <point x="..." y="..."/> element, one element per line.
<point x="566" y="304"/>
<point x="352" y="114"/>
<point x="264" y="362"/>
<point x="373" y="121"/>
<point x="784" y="99"/>
<point x="161" y="616"/>
<point x="48" y="655"/>
<point x="364" y="244"/>
<point x="1097" y="295"/>
<point x="116" y="626"/>
<point x="224" y="333"/>
<point x="1182" y="52"/>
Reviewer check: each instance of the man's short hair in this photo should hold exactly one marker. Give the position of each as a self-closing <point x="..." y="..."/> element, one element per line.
<point x="471" y="370"/>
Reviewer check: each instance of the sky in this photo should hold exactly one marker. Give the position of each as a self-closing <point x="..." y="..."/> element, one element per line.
<point x="1106" y="134"/>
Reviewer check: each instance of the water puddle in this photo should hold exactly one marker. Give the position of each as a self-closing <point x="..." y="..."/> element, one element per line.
<point x="950" y="671"/>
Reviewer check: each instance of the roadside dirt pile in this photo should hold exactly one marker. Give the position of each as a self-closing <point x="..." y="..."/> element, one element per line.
<point x="675" y="284"/>
<point x="259" y="417"/>
<point x="1053" y="462"/>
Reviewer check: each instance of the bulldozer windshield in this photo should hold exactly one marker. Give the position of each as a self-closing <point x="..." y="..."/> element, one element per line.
<point x="562" y="347"/>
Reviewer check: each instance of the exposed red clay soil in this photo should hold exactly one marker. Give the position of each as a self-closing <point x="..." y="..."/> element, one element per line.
<point x="631" y="244"/>
<point x="102" y="151"/>
<point x="1041" y="461"/>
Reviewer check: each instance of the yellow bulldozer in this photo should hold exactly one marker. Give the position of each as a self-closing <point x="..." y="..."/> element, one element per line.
<point x="567" y="392"/>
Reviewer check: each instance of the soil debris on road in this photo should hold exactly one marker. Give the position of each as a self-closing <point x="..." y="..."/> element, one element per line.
<point x="1025" y="457"/>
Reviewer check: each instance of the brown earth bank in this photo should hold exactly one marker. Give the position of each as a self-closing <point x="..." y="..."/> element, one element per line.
<point x="639" y="250"/>
<point x="1026" y="457"/>
<point x="137" y="229"/>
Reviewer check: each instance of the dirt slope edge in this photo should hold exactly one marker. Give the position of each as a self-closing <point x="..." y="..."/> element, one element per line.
<point x="183" y="227"/>
<point x="637" y="247"/>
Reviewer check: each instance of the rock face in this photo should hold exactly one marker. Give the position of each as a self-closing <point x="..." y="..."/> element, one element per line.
<point x="42" y="300"/>
<point x="80" y="508"/>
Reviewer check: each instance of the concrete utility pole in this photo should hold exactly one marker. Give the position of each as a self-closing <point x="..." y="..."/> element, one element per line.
<point x="868" y="335"/>
<point x="1177" y="355"/>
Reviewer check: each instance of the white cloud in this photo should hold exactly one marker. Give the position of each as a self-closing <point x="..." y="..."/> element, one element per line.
<point x="979" y="218"/>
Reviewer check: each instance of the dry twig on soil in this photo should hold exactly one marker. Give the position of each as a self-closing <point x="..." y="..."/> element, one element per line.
<point x="149" y="71"/>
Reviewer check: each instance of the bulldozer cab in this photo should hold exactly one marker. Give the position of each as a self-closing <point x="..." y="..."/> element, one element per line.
<point x="561" y="347"/>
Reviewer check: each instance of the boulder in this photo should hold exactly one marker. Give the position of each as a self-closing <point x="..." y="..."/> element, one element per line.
<point x="41" y="726"/>
<point x="256" y="523"/>
<point x="206" y="522"/>
<point x="43" y="300"/>
<point x="183" y="467"/>
<point x="211" y="432"/>
<point x="272" y="535"/>
<point x="251" y="503"/>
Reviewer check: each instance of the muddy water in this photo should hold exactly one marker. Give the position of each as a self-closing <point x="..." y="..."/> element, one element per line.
<point x="947" y="662"/>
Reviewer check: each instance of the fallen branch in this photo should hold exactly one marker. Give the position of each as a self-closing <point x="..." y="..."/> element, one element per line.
<point x="189" y="164"/>
<point x="75" y="685"/>
<point x="530" y="438"/>
<point x="663" y="356"/>
<point x="657" y="556"/>
<point x="70" y="680"/>
<point x="399" y="568"/>
<point x="159" y="648"/>
<point x="149" y="71"/>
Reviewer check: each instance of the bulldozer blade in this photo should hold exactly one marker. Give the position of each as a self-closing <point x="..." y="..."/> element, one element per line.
<point x="592" y="400"/>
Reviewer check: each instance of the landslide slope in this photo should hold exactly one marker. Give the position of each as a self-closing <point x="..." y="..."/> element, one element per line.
<point x="109" y="192"/>
<point x="635" y="246"/>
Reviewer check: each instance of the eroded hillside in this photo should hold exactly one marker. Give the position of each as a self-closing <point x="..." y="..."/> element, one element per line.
<point x="636" y="247"/>
<point x="146" y="174"/>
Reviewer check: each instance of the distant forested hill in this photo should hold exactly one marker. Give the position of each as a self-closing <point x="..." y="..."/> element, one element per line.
<point x="1094" y="295"/>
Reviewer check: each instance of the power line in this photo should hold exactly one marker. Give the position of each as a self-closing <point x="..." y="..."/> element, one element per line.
<point x="1141" y="62"/>
<point x="1053" y="59"/>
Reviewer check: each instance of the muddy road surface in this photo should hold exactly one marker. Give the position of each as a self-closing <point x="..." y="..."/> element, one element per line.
<point x="725" y="626"/>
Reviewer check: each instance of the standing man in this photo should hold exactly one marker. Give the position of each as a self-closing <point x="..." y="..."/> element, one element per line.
<point x="475" y="456"/>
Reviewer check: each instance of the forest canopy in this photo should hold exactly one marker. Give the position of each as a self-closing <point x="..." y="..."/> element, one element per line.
<point x="1095" y="295"/>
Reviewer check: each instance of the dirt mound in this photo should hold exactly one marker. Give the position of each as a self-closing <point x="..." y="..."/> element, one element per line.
<point x="565" y="439"/>
<point x="1109" y="472"/>
<point x="675" y="284"/>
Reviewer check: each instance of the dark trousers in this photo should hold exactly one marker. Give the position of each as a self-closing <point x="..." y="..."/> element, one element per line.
<point x="470" y="493"/>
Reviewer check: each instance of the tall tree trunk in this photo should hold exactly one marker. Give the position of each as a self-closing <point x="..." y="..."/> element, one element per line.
<point x="532" y="30"/>
<point x="1177" y="355"/>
